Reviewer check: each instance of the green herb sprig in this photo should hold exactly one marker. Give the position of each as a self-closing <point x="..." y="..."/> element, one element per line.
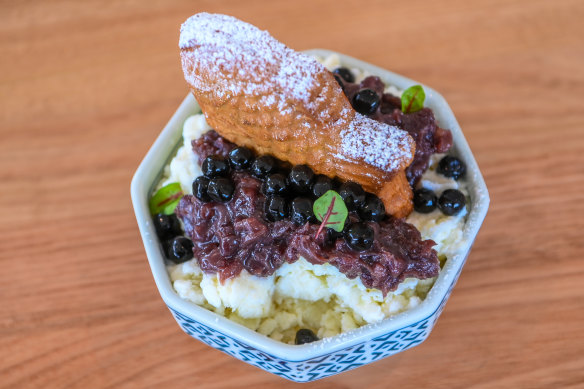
<point x="166" y="199"/>
<point x="331" y="211"/>
<point x="412" y="99"/>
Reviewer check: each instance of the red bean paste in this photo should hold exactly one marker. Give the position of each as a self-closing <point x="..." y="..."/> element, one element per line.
<point x="229" y="237"/>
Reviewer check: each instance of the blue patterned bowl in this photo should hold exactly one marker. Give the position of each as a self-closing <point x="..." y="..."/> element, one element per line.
<point x="328" y="356"/>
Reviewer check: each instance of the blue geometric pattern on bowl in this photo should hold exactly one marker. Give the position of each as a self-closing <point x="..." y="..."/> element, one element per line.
<point x="315" y="368"/>
<point x="321" y="366"/>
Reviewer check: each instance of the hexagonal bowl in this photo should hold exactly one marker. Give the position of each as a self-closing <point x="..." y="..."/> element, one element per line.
<point x="328" y="356"/>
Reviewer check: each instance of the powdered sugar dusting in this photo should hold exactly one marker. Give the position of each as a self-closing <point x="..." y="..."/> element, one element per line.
<point x="225" y="58"/>
<point x="245" y="56"/>
<point x="378" y="144"/>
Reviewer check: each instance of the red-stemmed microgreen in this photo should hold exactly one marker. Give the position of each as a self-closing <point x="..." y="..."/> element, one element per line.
<point x="166" y="199"/>
<point x="331" y="211"/>
<point x="412" y="99"/>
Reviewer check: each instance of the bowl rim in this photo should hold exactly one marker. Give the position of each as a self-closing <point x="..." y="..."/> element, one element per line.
<point x="150" y="169"/>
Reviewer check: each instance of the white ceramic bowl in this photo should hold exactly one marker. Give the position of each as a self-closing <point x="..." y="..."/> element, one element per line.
<point x="330" y="355"/>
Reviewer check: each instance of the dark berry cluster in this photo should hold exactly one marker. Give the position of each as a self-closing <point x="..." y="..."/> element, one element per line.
<point x="176" y="247"/>
<point x="215" y="183"/>
<point x="292" y="195"/>
<point x="451" y="201"/>
<point x="290" y="192"/>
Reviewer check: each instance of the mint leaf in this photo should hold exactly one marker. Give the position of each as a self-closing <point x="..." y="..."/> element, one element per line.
<point x="330" y="209"/>
<point x="412" y="99"/>
<point x="166" y="199"/>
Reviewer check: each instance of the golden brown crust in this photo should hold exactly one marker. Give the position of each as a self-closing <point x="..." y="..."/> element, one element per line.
<point x="251" y="104"/>
<point x="396" y="195"/>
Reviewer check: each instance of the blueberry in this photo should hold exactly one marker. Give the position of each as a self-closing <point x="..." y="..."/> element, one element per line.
<point x="179" y="249"/>
<point x="300" y="179"/>
<point x="321" y="185"/>
<point x="331" y="237"/>
<point x="284" y="167"/>
<point x="451" y="202"/>
<point x="373" y="209"/>
<point x="275" y="184"/>
<point x="452" y="167"/>
<point x="240" y="158"/>
<point x="348" y="223"/>
<point x="352" y="194"/>
<point x="425" y="200"/>
<point x="200" y="186"/>
<point x="264" y="166"/>
<point x="167" y="226"/>
<point x="337" y="183"/>
<point x="345" y="74"/>
<point x="220" y="189"/>
<point x="301" y="210"/>
<point x="214" y="166"/>
<point x="276" y="208"/>
<point x="305" y="335"/>
<point x="359" y="236"/>
<point x="366" y="101"/>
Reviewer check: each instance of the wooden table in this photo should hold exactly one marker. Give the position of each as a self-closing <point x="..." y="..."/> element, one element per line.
<point x="85" y="87"/>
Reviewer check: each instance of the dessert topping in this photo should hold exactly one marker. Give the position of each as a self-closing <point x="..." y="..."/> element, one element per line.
<point x="301" y="210"/>
<point x="240" y="158"/>
<point x="370" y="142"/>
<point x="345" y="74"/>
<point x="451" y="202"/>
<point x="373" y="208"/>
<point x="300" y="179"/>
<point x="167" y="226"/>
<point x="276" y="208"/>
<point x="220" y="189"/>
<point x="321" y="185"/>
<point x="218" y="44"/>
<point x="254" y="232"/>
<point x="305" y="335"/>
<point x="330" y="237"/>
<point x="359" y="236"/>
<point x="420" y="125"/>
<point x="179" y="249"/>
<point x="211" y="143"/>
<point x="165" y="199"/>
<point x="294" y="108"/>
<point x="176" y="247"/>
<point x="331" y="211"/>
<point x="412" y="99"/>
<point x="366" y="101"/>
<point x="452" y="167"/>
<point x="263" y="166"/>
<point x="275" y="184"/>
<point x="352" y="194"/>
<point x="425" y="200"/>
<point x="214" y="166"/>
<point x="200" y="186"/>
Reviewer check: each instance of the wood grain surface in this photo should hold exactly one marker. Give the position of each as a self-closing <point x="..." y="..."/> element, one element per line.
<point x="85" y="88"/>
